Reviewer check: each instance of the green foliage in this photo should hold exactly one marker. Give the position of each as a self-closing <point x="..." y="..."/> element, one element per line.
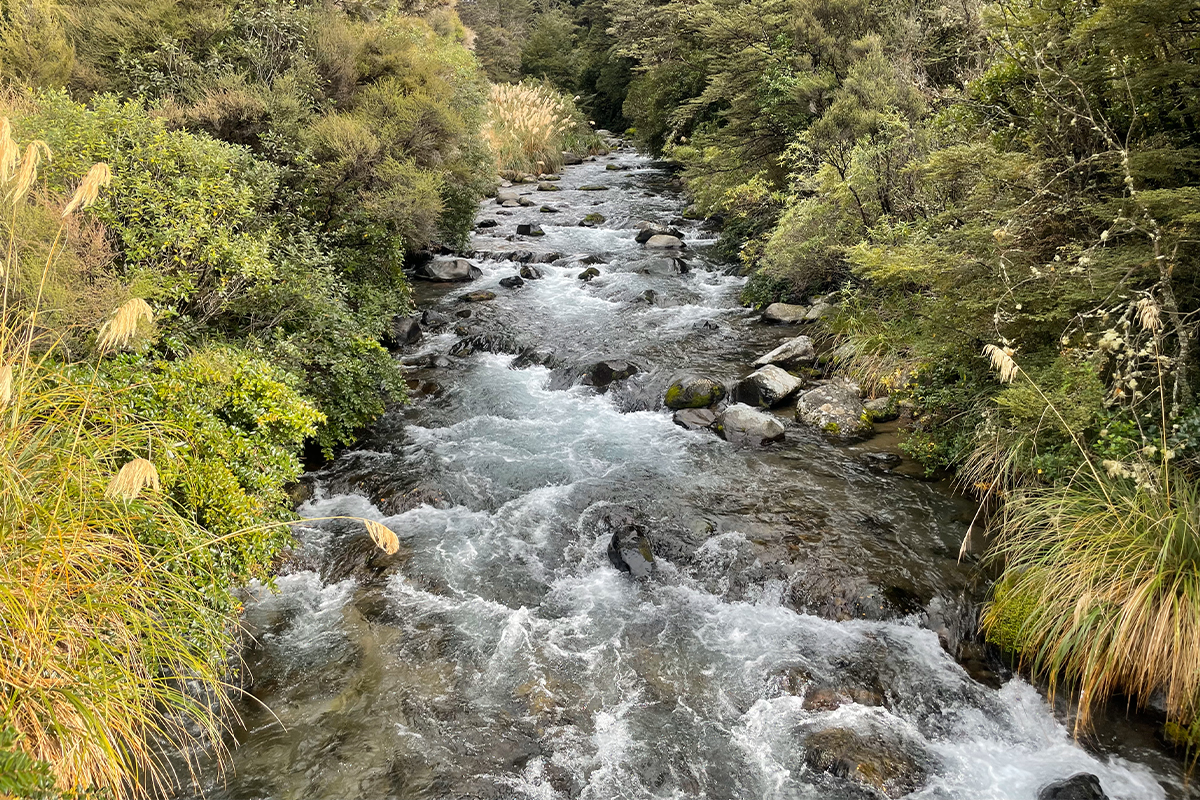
<point x="20" y="775"/>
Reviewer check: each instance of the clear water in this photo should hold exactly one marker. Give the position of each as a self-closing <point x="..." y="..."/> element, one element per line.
<point x="500" y="655"/>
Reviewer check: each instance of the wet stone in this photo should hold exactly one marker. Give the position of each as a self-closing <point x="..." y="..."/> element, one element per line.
<point x="695" y="418"/>
<point x="548" y="210"/>
<point x="588" y="274"/>
<point x="694" y="391"/>
<point x="528" y="229"/>
<point x="785" y="313"/>
<point x="629" y="547"/>
<point x="479" y="297"/>
<point x="872" y="760"/>
<point x="512" y="282"/>
<point x="531" y="273"/>
<point x="1083" y="786"/>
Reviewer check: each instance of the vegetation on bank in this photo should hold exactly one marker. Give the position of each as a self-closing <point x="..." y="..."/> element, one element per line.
<point x="258" y="176"/>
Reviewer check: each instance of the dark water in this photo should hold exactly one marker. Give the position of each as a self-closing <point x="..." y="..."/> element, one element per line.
<point x="500" y="655"/>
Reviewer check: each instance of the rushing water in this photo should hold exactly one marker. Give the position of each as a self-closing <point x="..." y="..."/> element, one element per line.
<point x="500" y="654"/>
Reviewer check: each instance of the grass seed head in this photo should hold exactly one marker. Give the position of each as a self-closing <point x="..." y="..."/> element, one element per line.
<point x="131" y="479"/>
<point x="6" y="385"/>
<point x="383" y="536"/>
<point x="119" y="330"/>
<point x="1002" y="362"/>
<point x="26" y="172"/>
<point x="98" y="177"/>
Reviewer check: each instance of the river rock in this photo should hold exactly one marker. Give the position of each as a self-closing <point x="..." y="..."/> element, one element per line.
<point x="431" y="319"/>
<point x="548" y="187"/>
<point x="588" y="274"/>
<point x="592" y="220"/>
<point x="629" y="548"/>
<point x="591" y="258"/>
<point x="767" y="387"/>
<point x="486" y="223"/>
<point x="593" y="187"/>
<point x="694" y="391"/>
<point x="604" y="373"/>
<point x="648" y="230"/>
<point x="548" y="210"/>
<point x="507" y="196"/>
<point x="512" y="282"/>
<point x="882" y="462"/>
<point x="570" y="159"/>
<point x="818" y="311"/>
<point x="868" y="760"/>
<point x="479" y="296"/>
<point x="742" y="424"/>
<point x="527" y="202"/>
<point x="529" y="229"/>
<point x="531" y="273"/>
<point x="834" y="408"/>
<point x="695" y="418"/>
<point x="785" y="313"/>
<point x="451" y="270"/>
<point x="797" y="352"/>
<point x="550" y="176"/>
<point x="1083" y="786"/>
<point x="663" y="242"/>
<point x="882" y="409"/>
<point x="406" y="330"/>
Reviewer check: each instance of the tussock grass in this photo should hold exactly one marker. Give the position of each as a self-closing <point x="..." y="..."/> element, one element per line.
<point x="527" y="125"/>
<point x="1101" y="590"/>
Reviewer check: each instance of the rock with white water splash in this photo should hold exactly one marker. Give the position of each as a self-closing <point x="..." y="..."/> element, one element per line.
<point x="512" y="282"/>
<point x="449" y="270"/>
<point x="588" y="274"/>
<point x="1083" y="786"/>
<point x="531" y="273"/>
<point x="836" y="408"/>
<point x="406" y="330"/>
<point x="694" y="391"/>
<point x="529" y="229"/>
<point x="629" y="546"/>
<point x="797" y="352"/>
<point x="742" y="424"/>
<point x="664" y="241"/>
<point x="648" y="230"/>
<point x="785" y="313"/>
<point x="767" y="387"/>
<point x="604" y="373"/>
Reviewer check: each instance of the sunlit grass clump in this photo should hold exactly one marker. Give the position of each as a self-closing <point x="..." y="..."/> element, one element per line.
<point x="527" y="127"/>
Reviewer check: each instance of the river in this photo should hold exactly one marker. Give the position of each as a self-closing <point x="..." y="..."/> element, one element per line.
<point x="786" y="646"/>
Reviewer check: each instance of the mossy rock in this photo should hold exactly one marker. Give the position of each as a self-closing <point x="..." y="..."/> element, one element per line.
<point x="871" y="760"/>
<point x="595" y="219"/>
<point x="593" y="187"/>
<point x="694" y="392"/>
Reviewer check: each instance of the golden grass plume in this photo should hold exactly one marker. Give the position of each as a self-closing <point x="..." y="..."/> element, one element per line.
<point x="119" y="330"/>
<point x="1002" y="361"/>
<point x="98" y="177"/>
<point x="129" y="481"/>
<point x="383" y="536"/>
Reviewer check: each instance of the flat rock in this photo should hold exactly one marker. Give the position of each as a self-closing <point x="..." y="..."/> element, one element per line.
<point x="836" y="409"/>
<point x="664" y="241"/>
<point x="452" y="270"/>
<point x="797" y="352"/>
<point x="695" y="419"/>
<point x="479" y="297"/>
<point x="742" y="424"/>
<point x="593" y="187"/>
<point x="785" y="313"/>
<point x="767" y="387"/>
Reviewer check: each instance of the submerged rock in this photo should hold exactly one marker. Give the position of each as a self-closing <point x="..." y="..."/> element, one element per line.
<point x="785" y="313"/>
<point x="479" y="296"/>
<point x="797" y="352"/>
<point x="588" y="274"/>
<point x="836" y="409"/>
<point x="529" y="229"/>
<point x="1084" y="786"/>
<point x="869" y="760"/>
<point x="767" y="387"/>
<point x="629" y="548"/>
<point x="452" y="270"/>
<point x="693" y="391"/>
<point x="742" y="424"/>
<point x="512" y="282"/>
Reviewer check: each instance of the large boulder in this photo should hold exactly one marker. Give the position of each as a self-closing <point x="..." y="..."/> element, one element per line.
<point x="507" y="196"/>
<point x="694" y="391"/>
<point x="629" y="546"/>
<point x="648" y="230"/>
<point x="449" y="270"/>
<point x="767" y="387"/>
<point x="742" y="424"/>
<point x="869" y="760"/>
<point x="570" y="159"/>
<point x="1083" y="786"/>
<point x="785" y="313"/>
<point x="818" y="311"/>
<point x="835" y="408"/>
<point x="530" y="229"/>
<point x="664" y="241"/>
<point x="797" y="352"/>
